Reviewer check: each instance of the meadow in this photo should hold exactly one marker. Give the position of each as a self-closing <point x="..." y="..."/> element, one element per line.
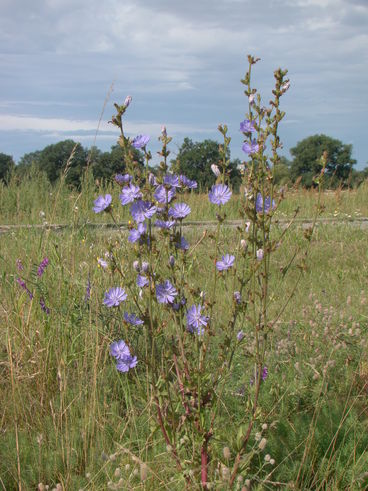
<point x="69" y="420"/>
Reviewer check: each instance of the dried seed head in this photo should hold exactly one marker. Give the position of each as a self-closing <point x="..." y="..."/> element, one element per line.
<point x="117" y="472"/>
<point x="262" y="444"/>
<point x="143" y="471"/>
<point x="227" y="453"/>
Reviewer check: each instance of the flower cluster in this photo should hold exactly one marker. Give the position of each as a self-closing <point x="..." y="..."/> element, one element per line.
<point x="124" y="360"/>
<point x="42" y="266"/>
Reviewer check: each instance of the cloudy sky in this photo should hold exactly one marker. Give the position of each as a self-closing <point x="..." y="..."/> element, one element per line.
<point x="182" y="63"/>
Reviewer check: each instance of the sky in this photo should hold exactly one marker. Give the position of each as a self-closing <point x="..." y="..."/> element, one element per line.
<point x="63" y="64"/>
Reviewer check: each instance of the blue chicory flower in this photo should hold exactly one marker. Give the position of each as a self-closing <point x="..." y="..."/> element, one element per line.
<point x="142" y="281"/>
<point x="226" y="262"/>
<point x="172" y="180"/>
<point x="179" y="211"/>
<point x="189" y="183"/>
<point x="251" y="147"/>
<point x="102" y="203"/>
<point x="140" y="141"/>
<point x="125" y="361"/>
<point x="140" y="210"/>
<point x="195" y="320"/>
<point x="164" y="224"/>
<point x="182" y="244"/>
<point x="247" y="126"/>
<point x="165" y="292"/>
<point x="129" y="194"/>
<point x="123" y="178"/>
<point x="219" y="194"/>
<point x="264" y="207"/>
<point x="132" y="319"/>
<point x="164" y="195"/>
<point x="136" y="234"/>
<point x="114" y="297"/>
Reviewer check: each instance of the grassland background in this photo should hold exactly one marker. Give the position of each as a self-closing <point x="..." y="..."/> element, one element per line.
<point x="66" y="415"/>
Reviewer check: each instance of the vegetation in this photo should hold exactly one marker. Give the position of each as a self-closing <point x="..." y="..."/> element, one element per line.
<point x="228" y="358"/>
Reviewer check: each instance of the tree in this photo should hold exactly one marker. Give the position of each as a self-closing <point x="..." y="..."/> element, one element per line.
<point x="107" y="164"/>
<point x="307" y="160"/>
<point x="6" y="166"/>
<point x="282" y="172"/>
<point x="195" y="158"/>
<point x="54" y="158"/>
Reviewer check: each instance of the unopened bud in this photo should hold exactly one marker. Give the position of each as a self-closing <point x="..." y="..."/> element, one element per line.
<point x="260" y="254"/>
<point x="215" y="170"/>
<point x="128" y="100"/>
<point x="163" y="130"/>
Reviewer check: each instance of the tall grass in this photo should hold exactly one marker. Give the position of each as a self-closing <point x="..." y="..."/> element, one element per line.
<point x="32" y="200"/>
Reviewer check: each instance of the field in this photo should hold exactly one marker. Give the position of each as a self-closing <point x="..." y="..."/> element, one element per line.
<point x="69" y="420"/>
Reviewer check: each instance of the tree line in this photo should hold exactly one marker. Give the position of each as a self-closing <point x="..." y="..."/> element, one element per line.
<point x="193" y="159"/>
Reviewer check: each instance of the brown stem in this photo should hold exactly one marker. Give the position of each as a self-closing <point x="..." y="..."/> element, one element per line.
<point x="166" y="436"/>
<point x="249" y="430"/>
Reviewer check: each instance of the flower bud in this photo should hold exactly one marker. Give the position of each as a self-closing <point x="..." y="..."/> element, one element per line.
<point x="260" y="254"/>
<point x="127" y="101"/>
<point x="136" y="266"/>
<point x="215" y="170"/>
<point x="163" y="131"/>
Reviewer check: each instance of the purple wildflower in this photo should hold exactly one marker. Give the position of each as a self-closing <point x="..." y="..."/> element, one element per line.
<point x="165" y="292"/>
<point x="259" y="254"/>
<point x="237" y="297"/>
<point x="264" y="206"/>
<point x="123" y="178"/>
<point x="179" y="211"/>
<point x="145" y="266"/>
<point x="240" y="335"/>
<point x="132" y="319"/>
<point x="219" y="194"/>
<point x="182" y="244"/>
<point x="126" y="363"/>
<point x="43" y="306"/>
<point x="250" y="147"/>
<point x="142" y="281"/>
<point x="171" y="261"/>
<point x="188" y="182"/>
<point x="163" y="195"/>
<point x="195" y="320"/>
<point x="114" y="296"/>
<point x="140" y="210"/>
<point x="172" y="180"/>
<point x="119" y="349"/>
<point x="136" y="234"/>
<point x="226" y="262"/>
<point x="102" y="203"/>
<point x="129" y="194"/>
<point x="19" y="265"/>
<point x="42" y="266"/>
<point x="164" y="224"/>
<point x="247" y="126"/>
<point x="22" y="283"/>
<point x="264" y="375"/>
<point x="102" y="263"/>
<point x="140" y="141"/>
